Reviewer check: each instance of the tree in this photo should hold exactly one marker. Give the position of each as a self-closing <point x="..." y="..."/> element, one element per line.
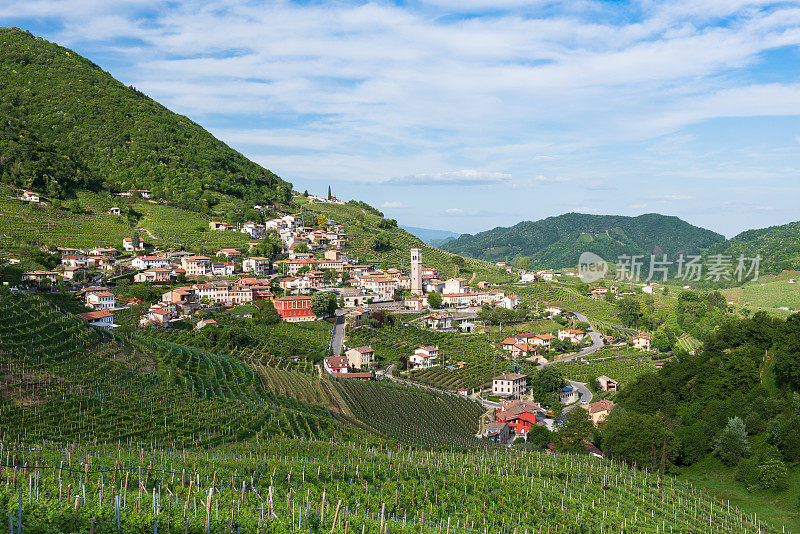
<point x="637" y="438"/>
<point x="330" y="196"/>
<point x="323" y="304"/>
<point x="522" y="262"/>
<point x="576" y="428"/>
<point x="538" y="437"/>
<point x="630" y="312"/>
<point x="302" y="248"/>
<point x="546" y="381"/>
<point x="381" y="242"/>
<point x="434" y="299"/>
<point x="732" y="445"/>
<point x="661" y="341"/>
<point x="135" y="240"/>
<point x="329" y="276"/>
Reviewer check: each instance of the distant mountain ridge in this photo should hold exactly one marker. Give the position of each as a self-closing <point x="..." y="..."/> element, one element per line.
<point x="557" y="242"/>
<point x="435" y="238"/>
<point x="68" y="125"/>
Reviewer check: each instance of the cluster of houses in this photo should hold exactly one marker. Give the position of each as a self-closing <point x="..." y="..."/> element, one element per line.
<point x="516" y="418"/>
<point x="290" y="229"/>
<point x="529" y="345"/>
<point x="357" y="364"/>
<point x="75" y="263"/>
<point x="181" y="302"/>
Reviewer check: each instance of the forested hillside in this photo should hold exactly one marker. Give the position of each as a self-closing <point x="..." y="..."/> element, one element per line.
<point x="68" y="125"/>
<point x="559" y="241"/>
<point x="778" y="246"/>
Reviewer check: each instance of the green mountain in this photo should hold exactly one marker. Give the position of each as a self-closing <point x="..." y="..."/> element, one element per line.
<point x="778" y="246"/>
<point x="559" y="241"/>
<point x="68" y="125"/>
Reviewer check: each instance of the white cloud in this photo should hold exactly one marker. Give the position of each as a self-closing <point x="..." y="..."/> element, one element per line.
<point x="392" y="205"/>
<point x="463" y="177"/>
<point x="454" y="211"/>
<point x="638" y="206"/>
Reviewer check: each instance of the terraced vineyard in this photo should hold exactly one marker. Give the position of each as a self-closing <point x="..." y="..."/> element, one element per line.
<point x="171" y="226"/>
<point x="278" y="342"/>
<point x="621" y="364"/>
<point x="294" y="384"/>
<point x="63" y="380"/>
<point x="301" y="486"/>
<point x="414" y="416"/>
<point x="483" y="360"/>
<point x="688" y="343"/>
<point x="542" y="294"/>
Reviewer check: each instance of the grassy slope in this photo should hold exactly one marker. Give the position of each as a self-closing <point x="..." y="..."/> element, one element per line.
<point x="768" y="293"/>
<point x="715" y="479"/>
<point x="778" y="246"/>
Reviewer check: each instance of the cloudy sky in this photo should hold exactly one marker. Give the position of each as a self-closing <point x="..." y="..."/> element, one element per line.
<point x="469" y="114"/>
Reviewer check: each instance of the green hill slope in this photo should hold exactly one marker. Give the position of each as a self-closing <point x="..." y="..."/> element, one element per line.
<point x="779" y="247"/>
<point x="559" y="241"/>
<point x="69" y="125"/>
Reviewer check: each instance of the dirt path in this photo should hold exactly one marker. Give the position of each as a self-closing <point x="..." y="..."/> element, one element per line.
<point x="148" y="232"/>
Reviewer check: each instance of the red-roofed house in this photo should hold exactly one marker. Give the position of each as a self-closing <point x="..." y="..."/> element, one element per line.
<point x="575" y="336"/>
<point x="336" y="365"/>
<point x="425" y="357"/>
<point x="598" y="411"/>
<point x="100" y="300"/>
<point x="100" y="319"/>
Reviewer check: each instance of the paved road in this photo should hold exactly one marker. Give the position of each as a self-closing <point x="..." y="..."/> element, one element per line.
<point x="337" y="336"/>
<point x="597" y="344"/>
<point x="586" y="394"/>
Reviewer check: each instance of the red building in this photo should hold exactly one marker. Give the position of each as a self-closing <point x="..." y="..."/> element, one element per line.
<point x="520" y="415"/>
<point x="522" y="423"/>
<point x="295" y="309"/>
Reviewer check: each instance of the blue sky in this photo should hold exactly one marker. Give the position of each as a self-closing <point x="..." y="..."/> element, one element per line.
<point x="470" y="114"/>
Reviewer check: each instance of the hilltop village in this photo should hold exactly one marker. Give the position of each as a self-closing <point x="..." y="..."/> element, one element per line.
<point x="302" y="272"/>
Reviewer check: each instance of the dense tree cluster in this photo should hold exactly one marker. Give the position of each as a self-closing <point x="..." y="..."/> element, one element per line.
<point x="716" y="402"/>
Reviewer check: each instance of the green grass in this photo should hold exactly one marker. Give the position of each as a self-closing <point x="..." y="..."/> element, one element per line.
<point x="717" y="480"/>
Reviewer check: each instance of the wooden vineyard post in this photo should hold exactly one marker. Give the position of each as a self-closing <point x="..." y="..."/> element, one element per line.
<point x="208" y="509"/>
<point x="383" y="511"/>
<point x="188" y="496"/>
<point x="336" y="515"/>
